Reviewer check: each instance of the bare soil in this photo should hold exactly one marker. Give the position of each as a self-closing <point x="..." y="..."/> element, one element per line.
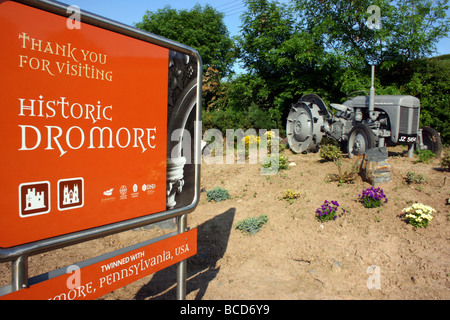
<point x="294" y="256"/>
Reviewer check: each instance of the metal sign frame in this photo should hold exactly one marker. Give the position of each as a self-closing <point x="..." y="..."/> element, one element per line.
<point x="19" y="254"/>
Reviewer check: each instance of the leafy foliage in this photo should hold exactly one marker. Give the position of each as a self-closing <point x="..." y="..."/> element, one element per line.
<point x="202" y="28"/>
<point x="290" y="195"/>
<point x="430" y="82"/>
<point x="268" y="163"/>
<point x="217" y="194"/>
<point x="347" y="175"/>
<point x="330" y="152"/>
<point x="424" y="156"/>
<point x="445" y="161"/>
<point x="412" y="177"/>
<point x="252" y="225"/>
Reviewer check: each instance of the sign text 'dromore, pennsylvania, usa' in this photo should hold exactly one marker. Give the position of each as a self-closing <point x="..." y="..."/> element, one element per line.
<point x="85" y="118"/>
<point x="99" y="278"/>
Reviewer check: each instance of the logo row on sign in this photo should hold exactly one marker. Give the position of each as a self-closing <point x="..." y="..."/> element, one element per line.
<point x="123" y="191"/>
<point x="34" y="197"/>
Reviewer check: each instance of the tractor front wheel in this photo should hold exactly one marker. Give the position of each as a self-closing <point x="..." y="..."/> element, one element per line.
<point x="360" y="139"/>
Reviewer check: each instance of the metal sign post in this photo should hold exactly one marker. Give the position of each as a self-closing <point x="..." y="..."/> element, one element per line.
<point x="181" y="268"/>
<point x="19" y="273"/>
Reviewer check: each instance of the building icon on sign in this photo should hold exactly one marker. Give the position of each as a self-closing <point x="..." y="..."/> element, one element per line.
<point x="34" y="200"/>
<point x="71" y="195"/>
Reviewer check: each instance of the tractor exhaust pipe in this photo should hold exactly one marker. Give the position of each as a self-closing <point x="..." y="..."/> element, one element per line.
<point x="372" y="114"/>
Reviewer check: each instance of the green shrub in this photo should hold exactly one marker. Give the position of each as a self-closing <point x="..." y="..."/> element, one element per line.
<point x="424" y="156"/>
<point x="282" y="162"/>
<point x="260" y="118"/>
<point x="252" y="225"/>
<point x="343" y="176"/>
<point x="445" y="161"/>
<point x="330" y="152"/>
<point x="217" y="194"/>
<point x="290" y="195"/>
<point x="412" y="177"/>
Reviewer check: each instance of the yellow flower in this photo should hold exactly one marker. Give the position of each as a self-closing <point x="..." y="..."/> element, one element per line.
<point x="247" y="140"/>
<point x="270" y="134"/>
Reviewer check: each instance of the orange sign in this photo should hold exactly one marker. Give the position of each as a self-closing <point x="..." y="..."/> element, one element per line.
<point x="106" y="276"/>
<point x="83" y="126"/>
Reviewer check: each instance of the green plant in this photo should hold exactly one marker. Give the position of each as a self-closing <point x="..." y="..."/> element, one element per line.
<point x="290" y="195"/>
<point x="251" y="140"/>
<point x="271" y="135"/>
<point x="328" y="211"/>
<point x="424" y="156"/>
<point x="419" y="215"/>
<point x="343" y="176"/>
<point x="372" y="197"/>
<point x="274" y="158"/>
<point x="412" y="177"/>
<point x="252" y="225"/>
<point x="217" y="194"/>
<point x="445" y="161"/>
<point x="330" y="152"/>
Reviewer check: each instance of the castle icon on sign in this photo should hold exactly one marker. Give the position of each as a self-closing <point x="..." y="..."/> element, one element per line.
<point x="34" y="200"/>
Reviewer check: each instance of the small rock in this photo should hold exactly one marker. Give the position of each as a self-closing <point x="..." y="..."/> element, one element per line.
<point x="338" y="265"/>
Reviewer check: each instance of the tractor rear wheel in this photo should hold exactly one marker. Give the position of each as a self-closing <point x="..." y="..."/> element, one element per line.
<point x="360" y="139"/>
<point x="431" y="140"/>
<point x="303" y="127"/>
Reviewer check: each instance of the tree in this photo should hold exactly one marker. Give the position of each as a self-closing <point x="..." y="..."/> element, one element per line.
<point x="409" y="29"/>
<point x="266" y="25"/>
<point x="201" y="28"/>
<point x="286" y="60"/>
<point x="431" y="84"/>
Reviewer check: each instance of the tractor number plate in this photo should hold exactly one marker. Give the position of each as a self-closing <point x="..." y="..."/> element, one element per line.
<point x="407" y="139"/>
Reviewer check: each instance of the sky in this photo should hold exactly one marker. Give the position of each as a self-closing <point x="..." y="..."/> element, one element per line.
<point x="131" y="11"/>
